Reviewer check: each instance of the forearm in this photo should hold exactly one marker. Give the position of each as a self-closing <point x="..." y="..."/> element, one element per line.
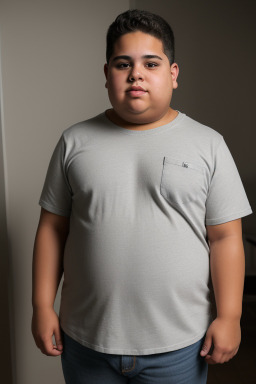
<point x="47" y="265"/>
<point x="227" y="270"/>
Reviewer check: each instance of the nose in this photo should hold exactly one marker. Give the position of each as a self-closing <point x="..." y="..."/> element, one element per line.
<point x="135" y="74"/>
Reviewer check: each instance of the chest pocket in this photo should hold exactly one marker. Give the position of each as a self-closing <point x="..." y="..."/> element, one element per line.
<point x="182" y="182"/>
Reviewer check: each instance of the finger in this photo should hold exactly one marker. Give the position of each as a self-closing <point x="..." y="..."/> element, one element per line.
<point x="53" y="352"/>
<point x="230" y="355"/>
<point x="48" y="348"/>
<point x="224" y="359"/>
<point x="209" y="360"/>
<point x="226" y="356"/>
<point x="206" y="345"/>
<point x="214" y="358"/>
<point x="58" y="339"/>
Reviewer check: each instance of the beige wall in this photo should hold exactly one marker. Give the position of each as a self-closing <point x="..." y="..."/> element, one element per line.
<point x="52" y="57"/>
<point x="5" y="290"/>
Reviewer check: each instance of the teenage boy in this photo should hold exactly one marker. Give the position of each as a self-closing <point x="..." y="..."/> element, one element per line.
<point x="140" y="200"/>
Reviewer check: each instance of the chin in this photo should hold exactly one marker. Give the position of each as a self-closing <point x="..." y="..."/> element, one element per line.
<point x="140" y="117"/>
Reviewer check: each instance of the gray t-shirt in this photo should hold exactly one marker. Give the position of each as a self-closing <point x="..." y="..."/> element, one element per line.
<point x="136" y="261"/>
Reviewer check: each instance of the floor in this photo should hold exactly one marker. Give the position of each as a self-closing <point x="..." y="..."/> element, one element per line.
<point x="242" y="368"/>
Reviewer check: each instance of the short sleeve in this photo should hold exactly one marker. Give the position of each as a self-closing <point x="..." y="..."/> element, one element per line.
<point x="226" y="199"/>
<point x="56" y="195"/>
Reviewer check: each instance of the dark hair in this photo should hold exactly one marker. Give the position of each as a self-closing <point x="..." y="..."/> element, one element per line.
<point x="144" y="21"/>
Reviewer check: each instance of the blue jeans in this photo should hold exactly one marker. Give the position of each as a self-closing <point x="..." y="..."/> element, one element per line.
<point x="82" y="365"/>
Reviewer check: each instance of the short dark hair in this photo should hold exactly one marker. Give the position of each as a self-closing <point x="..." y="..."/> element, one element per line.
<point x="144" y="21"/>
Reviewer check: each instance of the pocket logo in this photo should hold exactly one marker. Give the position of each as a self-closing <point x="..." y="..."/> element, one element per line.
<point x="181" y="187"/>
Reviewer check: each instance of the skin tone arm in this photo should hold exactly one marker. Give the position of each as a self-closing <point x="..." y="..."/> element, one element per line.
<point x="47" y="271"/>
<point x="227" y="263"/>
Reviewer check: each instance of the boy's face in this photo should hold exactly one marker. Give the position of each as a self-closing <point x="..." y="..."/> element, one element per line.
<point x="140" y="79"/>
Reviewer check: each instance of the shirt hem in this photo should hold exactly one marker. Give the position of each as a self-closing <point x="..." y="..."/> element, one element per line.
<point x="135" y="351"/>
<point x="225" y="219"/>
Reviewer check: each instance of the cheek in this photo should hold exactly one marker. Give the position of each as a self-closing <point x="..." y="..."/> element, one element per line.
<point x="116" y="82"/>
<point x="161" y="87"/>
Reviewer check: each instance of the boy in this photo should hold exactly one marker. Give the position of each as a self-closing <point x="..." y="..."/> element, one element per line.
<point x="140" y="201"/>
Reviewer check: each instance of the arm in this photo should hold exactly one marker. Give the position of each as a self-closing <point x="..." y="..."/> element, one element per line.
<point x="227" y="265"/>
<point x="47" y="271"/>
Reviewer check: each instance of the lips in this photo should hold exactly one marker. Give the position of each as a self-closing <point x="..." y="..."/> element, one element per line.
<point x="136" y="91"/>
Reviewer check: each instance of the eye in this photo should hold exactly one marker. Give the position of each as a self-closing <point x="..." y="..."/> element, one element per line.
<point x="151" y="65"/>
<point x="123" y="65"/>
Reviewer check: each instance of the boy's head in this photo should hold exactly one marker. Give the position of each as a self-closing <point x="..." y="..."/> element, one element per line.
<point x="140" y="70"/>
<point x="144" y="21"/>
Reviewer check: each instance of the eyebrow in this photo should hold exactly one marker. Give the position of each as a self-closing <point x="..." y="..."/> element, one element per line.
<point x="125" y="57"/>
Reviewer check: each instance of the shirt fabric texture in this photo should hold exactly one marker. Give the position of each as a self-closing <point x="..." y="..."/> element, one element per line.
<point x="136" y="260"/>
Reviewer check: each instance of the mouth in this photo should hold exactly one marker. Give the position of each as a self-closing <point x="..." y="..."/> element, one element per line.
<point x="136" y="91"/>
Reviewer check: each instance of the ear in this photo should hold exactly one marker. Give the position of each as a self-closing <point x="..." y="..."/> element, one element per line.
<point x="174" y="74"/>
<point x="106" y="74"/>
<point x="106" y="70"/>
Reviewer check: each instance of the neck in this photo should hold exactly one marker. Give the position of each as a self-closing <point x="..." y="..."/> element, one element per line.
<point x="116" y="119"/>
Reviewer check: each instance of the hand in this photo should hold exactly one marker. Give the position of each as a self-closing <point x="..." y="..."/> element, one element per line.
<point x="45" y="324"/>
<point x="224" y="335"/>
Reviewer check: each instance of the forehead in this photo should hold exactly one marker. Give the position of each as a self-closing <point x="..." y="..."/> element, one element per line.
<point x="138" y="44"/>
